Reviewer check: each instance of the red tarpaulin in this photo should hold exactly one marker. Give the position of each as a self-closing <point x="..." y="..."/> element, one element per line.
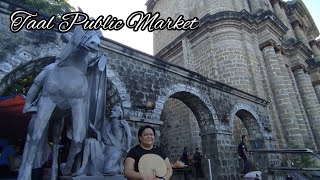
<point x="13" y="123"/>
<point x="12" y="104"/>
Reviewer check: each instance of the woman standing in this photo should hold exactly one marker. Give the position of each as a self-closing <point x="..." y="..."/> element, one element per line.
<point x="146" y="146"/>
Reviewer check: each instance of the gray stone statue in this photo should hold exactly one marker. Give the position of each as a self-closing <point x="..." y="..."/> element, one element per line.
<point x="68" y="84"/>
<point x="114" y="143"/>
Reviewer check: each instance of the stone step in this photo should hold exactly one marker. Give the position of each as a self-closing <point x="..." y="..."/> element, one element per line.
<point x="116" y="177"/>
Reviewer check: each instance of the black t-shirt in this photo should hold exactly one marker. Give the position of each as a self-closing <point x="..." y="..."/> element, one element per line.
<point x="137" y="152"/>
<point x="242" y="146"/>
<point x="197" y="157"/>
<point x="184" y="158"/>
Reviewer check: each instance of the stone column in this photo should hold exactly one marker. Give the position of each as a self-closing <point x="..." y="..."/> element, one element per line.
<point x="187" y="54"/>
<point x="245" y="5"/>
<point x="254" y="6"/>
<point x="316" y="86"/>
<point x="280" y="13"/>
<point x="281" y="96"/>
<point x="303" y="125"/>
<point x="315" y="50"/>
<point x="309" y="100"/>
<point x="266" y="5"/>
<point x="299" y="33"/>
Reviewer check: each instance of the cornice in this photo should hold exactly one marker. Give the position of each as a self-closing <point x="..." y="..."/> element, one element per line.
<point x="243" y="16"/>
<point x="314" y="83"/>
<point x="267" y="43"/>
<point x="300" y="66"/>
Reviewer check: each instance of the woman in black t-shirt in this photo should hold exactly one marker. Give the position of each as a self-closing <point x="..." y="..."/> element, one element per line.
<point x="146" y="146"/>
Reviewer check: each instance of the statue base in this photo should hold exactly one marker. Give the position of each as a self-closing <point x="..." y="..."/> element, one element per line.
<point x="115" y="177"/>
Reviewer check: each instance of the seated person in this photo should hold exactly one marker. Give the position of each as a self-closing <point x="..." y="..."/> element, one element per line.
<point x="146" y="146"/>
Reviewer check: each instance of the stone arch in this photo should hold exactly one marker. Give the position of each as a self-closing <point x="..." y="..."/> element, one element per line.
<point x="244" y="111"/>
<point x="197" y="101"/>
<point x="187" y="114"/>
<point x="120" y="88"/>
<point x="32" y="47"/>
<point x="36" y="65"/>
<point x="24" y="69"/>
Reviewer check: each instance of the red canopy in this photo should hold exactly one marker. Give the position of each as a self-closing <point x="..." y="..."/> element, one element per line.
<point x="12" y="104"/>
<point x="13" y="123"/>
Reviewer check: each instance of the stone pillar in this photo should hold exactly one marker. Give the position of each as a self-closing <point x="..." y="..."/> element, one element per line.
<point x="245" y="5"/>
<point x="309" y="100"/>
<point x="300" y="35"/>
<point x="303" y="124"/>
<point x="282" y="98"/>
<point x="316" y="86"/>
<point x="280" y="13"/>
<point x="218" y="148"/>
<point x="187" y="54"/>
<point x="266" y="5"/>
<point x="254" y="6"/>
<point x="315" y="50"/>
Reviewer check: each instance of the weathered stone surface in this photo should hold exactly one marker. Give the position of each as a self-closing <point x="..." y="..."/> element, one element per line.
<point x="310" y="101"/>
<point x="195" y="108"/>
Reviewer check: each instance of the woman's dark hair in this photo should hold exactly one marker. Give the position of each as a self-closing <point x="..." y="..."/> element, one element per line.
<point x="142" y="128"/>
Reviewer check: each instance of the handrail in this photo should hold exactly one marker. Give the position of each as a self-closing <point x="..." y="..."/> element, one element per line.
<point x="295" y="151"/>
<point x="293" y="168"/>
<point x="306" y="150"/>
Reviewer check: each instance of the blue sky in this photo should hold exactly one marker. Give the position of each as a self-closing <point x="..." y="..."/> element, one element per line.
<point x="314" y="9"/>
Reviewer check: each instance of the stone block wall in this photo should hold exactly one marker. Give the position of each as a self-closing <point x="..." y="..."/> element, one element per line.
<point x="24" y="46"/>
<point x="180" y="129"/>
<point x="230" y="51"/>
<point x="162" y="37"/>
<point x="189" y="9"/>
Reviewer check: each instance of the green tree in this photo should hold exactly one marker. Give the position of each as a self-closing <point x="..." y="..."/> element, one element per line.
<point x="20" y="86"/>
<point x="49" y="7"/>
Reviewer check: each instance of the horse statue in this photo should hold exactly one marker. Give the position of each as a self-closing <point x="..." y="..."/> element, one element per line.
<point x="76" y="82"/>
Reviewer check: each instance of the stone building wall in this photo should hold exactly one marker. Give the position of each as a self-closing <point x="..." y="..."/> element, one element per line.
<point x="189" y="9"/>
<point x="266" y="90"/>
<point x="179" y="130"/>
<point x="266" y="54"/>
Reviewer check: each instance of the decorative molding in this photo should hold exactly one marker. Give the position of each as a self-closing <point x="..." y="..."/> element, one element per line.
<point x="279" y="49"/>
<point x="317" y="82"/>
<point x="216" y="19"/>
<point x="300" y="66"/>
<point x="296" y="22"/>
<point x="313" y="42"/>
<point x="281" y="3"/>
<point x="267" y="43"/>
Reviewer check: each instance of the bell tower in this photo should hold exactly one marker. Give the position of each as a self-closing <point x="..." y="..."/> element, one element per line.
<point x="258" y="46"/>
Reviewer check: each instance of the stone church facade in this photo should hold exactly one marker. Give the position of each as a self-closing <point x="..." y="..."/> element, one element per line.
<point x="266" y="48"/>
<point x="252" y="67"/>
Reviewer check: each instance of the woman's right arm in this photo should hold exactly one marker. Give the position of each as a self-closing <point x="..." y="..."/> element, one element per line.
<point x="129" y="171"/>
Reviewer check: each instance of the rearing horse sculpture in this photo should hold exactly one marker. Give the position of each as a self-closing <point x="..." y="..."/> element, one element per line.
<point x="65" y="86"/>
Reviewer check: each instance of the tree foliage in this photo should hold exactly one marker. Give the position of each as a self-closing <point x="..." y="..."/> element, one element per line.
<point x="20" y="86"/>
<point x="49" y="7"/>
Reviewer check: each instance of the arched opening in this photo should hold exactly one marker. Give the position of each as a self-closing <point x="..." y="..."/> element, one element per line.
<point x="21" y="78"/>
<point x="186" y="116"/>
<point x="180" y="129"/>
<point x="245" y="123"/>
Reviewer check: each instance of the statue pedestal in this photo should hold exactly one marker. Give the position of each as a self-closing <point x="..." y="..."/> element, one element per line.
<point x="115" y="177"/>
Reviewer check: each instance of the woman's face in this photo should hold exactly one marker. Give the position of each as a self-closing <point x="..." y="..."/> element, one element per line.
<point x="147" y="137"/>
